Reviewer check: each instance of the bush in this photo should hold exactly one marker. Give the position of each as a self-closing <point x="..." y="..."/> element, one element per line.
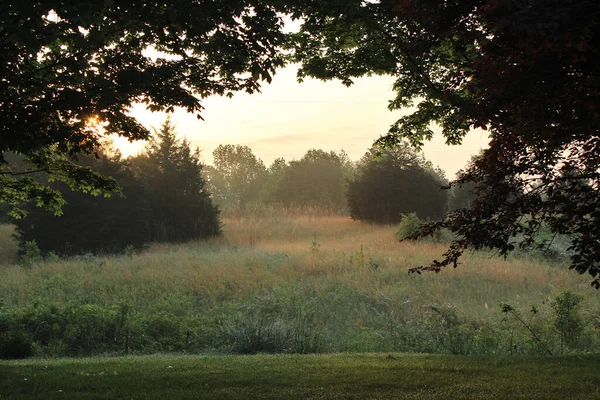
<point x="449" y="332"/>
<point x="71" y="330"/>
<point x="567" y="319"/>
<point x="30" y="253"/>
<point x="299" y="319"/>
<point x="260" y="334"/>
<point x="255" y="335"/>
<point x="164" y="331"/>
<point x="409" y="224"/>
<point x="15" y="344"/>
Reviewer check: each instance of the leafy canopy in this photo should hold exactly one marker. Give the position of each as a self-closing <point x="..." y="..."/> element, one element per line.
<point x="317" y="180"/>
<point x="71" y="70"/>
<point x="88" y="224"/>
<point x="526" y="71"/>
<point x="237" y="176"/>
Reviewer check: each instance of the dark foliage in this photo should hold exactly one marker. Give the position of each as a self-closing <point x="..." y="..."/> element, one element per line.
<point x="179" y="205"/>
<point x="396" y="181"/>
<point x="90" y="223"/>
<point x="526" y="71"/>
<point x="164" y="199"/>
<point x="4" y="217"/>
<point x="461" y="196"/>
<point x="71" y="70"/>
<point x="464" y="193"/>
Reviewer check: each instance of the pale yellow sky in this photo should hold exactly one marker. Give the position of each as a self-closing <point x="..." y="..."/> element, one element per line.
<point x="288" y="118"/>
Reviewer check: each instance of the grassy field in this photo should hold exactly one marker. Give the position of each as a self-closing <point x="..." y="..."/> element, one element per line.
<point x="8" y="247"/>
<point x="286" y="283"/>
<point x="337" y="376"/>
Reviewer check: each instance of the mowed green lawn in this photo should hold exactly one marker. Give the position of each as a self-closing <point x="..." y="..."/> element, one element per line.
<point x="334" y="376"/>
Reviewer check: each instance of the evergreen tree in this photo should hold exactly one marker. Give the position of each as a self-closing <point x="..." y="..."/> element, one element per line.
<point x="177" y="197"/>
<point x="164" y="200"/>
<point x="90" y="224"/>
<point x="396" y="181"/>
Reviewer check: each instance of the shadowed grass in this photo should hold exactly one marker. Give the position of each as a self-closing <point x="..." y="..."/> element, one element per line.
<point x="338" y="376"/>
<point x="8" y="247"/>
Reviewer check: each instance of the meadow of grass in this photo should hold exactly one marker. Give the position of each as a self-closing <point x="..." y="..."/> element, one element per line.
<point x="8" y="246"/>
<point x="337" y="376"/>
<point x="285" y="283"/>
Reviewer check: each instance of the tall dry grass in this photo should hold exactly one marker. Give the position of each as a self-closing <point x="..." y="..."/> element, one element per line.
<point x="322" y="283"/>
<point x="285" y="252"/>
<point x="281" y="211"/>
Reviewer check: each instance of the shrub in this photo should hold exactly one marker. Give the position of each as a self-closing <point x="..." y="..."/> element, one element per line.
<point x="255" y="335"/>
<point x="261" y="334"/>
<point x="70" y="330"/>
<point x="450" y="332"/>
<point x="409" y="224"/>
<point x="15" y="345"/>
<point x="30" y="253"/>
<point x="164" y="331"/>
<point x="52" y="257"/>
<point x="567" y="318"/>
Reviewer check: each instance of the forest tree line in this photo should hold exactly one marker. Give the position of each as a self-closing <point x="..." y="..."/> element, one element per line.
<point x="169" y="195"/>
<point x="379" y="188"/>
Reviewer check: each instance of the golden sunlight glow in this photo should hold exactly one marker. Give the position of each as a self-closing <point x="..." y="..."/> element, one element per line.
<point x="288" y="118"/>
<point x="93" y="121"/>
